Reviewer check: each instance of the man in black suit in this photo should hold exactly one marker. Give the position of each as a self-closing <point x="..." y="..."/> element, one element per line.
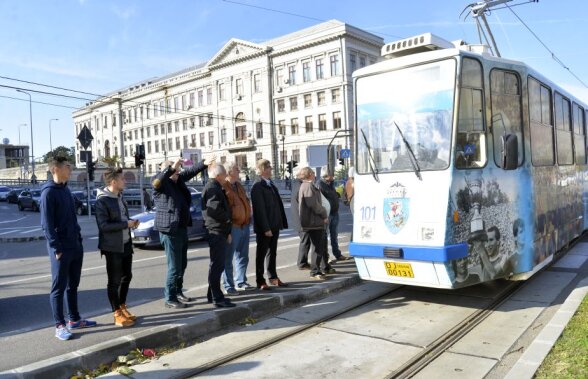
<point x="269" y="218"/>
<point x="172" y="219"/>
<point x="218" y="220"/>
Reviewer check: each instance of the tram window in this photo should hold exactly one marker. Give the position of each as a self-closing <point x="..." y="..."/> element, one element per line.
<point x="542" y="139"/>
<point x="565" y="152"/>
<point x="506" y="111"/>
<point x="470" y="144"/>
<point x="578" y="119"/>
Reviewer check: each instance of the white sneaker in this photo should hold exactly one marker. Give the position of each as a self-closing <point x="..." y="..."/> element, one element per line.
<point x="245" y="287"/>
<point x="62" y="333"/>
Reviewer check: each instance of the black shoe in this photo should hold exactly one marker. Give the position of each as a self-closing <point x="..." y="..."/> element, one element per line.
<point x="175" y="304"/>
<point x="185" y="299"/>
<point x="304" y="266"/>
<point x="225" y="304"/>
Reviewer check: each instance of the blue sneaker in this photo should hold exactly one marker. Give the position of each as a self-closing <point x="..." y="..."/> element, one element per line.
<point x="81" y="324"/>
<point x="62" y="333"/>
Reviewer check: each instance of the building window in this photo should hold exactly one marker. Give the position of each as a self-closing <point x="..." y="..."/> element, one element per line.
<point x="258" y="156"/>
<point x="361" y="62"/>
<point x="294" y="126"/>
<point x="321" y="98"/>
<point x="307" y="100"/>
<point x="293" y="103"/>
<point x="200" y="98"/>
<point x="308" y="124"/>
<point x="296" y="155"/>
<point x="185" y="142"/>
<point x="221" y="91"/>
<point x="223" y="135"/>
<point x="148" y="131"/>
<point x="134" y="115"/>
<point x="306" y="72"/>
<point x="202" y="139"/>
<point x="155" y="114"/>
<point x="155" y="130"/>
<point x="178" y="146"/>
<point x="282" y="127"/>
<point x="259" y="130"/>
<point x="335" y="65"/>
<point x="240" y="132"/>
<point x="163" y="145"/>
<point x="162" y="127"/>
<point x="161" y="107"/>
<point x="335" y="95"/>
<point x="279" y="77"/>
<point x="177" y="126"/>
<point x="353" y="63"/>
<point x="156" y="146"/>
<point x="184" y="103"/>
<point x="169" y="127"/>
<point x="319" y="69"/>
<point x="211" y="138"/>
<point x="150" y="169"/>
<point x="147" y="111"/>
<point x="126" y="152"/>
<point x="281" y="105"/>
<point x="169" y="106"/>
<point x="176" y="104"/>
<point x="209" y="119"/>
<point x="336" y="120"/>
<point x="322" y="122"/>
<point x="191" y="99"/>
<point x="283" y="156"/>
<point x="292" y="75"/>
<point x="170" y="144"/>
<point x="239" y="87"/>
<point x="257" y="83"/>
<point x="209" y="96"/>
<point x="136" y="134"/>
<point x="192" y="140"/>
<point x="241" y="160"/>
<point x="223" y="160"/>
<point x="184" y="124"/>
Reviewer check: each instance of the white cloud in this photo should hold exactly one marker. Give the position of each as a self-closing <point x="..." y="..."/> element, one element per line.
<point x="577" y="90"/>
<point x="123" y="13"/>
<point x="53" y="67"/>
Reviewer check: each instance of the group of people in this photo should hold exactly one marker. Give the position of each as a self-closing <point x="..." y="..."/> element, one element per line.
<point x="227" y="213"/>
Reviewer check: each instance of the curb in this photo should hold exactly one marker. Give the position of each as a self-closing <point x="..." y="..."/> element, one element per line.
<point x="21" y="239"/>
<point x="190" y="329"/>
<point x="533" y="357"/>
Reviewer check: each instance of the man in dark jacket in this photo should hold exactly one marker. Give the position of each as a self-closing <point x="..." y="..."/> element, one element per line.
<point x="64" y="245"/>
<point x="172" y="219"/>
<point x="217" y="219"/>
<point x="269" y="218"/>
<point x="327" y="187"/>
<point x="114" y="242"/>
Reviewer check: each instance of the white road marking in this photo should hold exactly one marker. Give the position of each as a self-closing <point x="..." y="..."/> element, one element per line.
<point x="18" y="219"/>
<point x="30" y="231"/>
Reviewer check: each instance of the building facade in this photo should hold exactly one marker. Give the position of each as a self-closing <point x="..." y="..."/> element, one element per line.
<point x="249" y="101"/>
<point x="14" y="156"/>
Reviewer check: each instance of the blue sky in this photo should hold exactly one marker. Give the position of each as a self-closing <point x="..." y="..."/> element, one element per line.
<point x="99" y="46"/>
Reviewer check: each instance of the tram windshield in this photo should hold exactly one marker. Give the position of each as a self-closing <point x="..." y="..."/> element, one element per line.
<point x="404" y="119"/>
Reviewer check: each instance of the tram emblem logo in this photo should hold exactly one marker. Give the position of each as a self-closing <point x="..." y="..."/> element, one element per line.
<point x="396" y="207"/>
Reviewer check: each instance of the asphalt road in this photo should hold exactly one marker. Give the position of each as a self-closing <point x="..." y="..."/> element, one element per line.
<point x="25" y="279"/>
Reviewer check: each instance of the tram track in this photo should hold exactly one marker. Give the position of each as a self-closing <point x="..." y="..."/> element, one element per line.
<point x="413" y="365"/>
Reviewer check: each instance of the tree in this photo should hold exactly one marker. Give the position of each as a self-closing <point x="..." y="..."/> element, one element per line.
<point x="113" y="161"/>
<point x="61" y="151"/>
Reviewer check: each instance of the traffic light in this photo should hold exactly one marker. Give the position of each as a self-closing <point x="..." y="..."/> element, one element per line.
<point x="289" y="167"/>
<point x="139" y="154"/>
<point x="342" y="161"/>
<point x="91" y="166"/>
<point x="294" y="164"/>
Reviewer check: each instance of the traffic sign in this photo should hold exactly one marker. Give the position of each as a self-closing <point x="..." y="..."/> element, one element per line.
<point x="345" y="153"/>
<point x="85" y="137"/>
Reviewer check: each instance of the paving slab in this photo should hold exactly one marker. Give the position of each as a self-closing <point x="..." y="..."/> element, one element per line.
<point x="457" y="366"/>
<point x="314" y="355"/>
<point x="545" y="287"/>
<point x="572" y="261"/>
<point x="496" y="334"/>
<point x="409" y="317"/>
<point x="579" y="249"/>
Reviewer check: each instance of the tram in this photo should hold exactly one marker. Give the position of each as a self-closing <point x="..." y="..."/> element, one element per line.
<point x="469" y="167"/>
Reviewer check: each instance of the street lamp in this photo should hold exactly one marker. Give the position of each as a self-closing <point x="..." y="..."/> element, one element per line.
<point x="50" y="143"/>
<point x="19" y="132"/>
<point x="33" y="177"/>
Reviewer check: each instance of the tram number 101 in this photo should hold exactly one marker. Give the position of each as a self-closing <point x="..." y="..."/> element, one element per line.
<point x="368" y="213"/>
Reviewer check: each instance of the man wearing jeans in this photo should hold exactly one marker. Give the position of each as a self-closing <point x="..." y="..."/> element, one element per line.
<point x="238" y="249"/>
<point x="64" y="245"/>
<point x="172" y="219"/>
<point x="327" y="187"/>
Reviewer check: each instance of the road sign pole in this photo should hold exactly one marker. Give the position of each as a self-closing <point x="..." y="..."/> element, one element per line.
<point x="141" y="187"/>
<point x="88" y="196"/>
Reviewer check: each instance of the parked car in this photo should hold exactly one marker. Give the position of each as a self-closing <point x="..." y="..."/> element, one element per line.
<point x="132" y="196"/>
<point x="12" y="196"/>
<point x="145" y="235"/>
<point x="81" y="202"/>
<point x="29" y="199"/>
<point x="4" y="192"/>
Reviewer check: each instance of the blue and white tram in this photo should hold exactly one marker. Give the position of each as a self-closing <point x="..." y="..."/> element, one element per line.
<point x="469" y="167"/>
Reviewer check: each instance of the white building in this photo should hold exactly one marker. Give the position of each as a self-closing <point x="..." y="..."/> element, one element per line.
<point x="248" y="101"/>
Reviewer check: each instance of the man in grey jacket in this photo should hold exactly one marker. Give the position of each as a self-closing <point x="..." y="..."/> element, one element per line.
<point x="304" y="246"/>
<point x="114" y="242"/>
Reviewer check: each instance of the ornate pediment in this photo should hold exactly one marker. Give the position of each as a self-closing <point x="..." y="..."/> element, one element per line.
<point x="235" y="50"/>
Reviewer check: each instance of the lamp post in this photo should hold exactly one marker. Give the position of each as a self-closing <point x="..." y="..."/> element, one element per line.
<point x="283" y="157"/>
<point x="33" y="177"/>
<point x="50" y="143"/>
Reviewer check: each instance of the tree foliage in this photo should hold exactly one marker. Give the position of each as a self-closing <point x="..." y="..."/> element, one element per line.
<point x="61" y="151"/>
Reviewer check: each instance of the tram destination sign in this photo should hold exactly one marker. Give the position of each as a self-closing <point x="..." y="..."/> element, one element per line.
<point x="85" y="137"/>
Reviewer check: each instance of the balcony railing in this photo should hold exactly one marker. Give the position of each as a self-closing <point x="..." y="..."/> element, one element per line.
<point x="238" y="145"/>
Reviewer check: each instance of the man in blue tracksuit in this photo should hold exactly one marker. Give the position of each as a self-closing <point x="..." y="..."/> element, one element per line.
<point x="64" y="245"/>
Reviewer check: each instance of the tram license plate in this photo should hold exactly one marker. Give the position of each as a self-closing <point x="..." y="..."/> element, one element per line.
<point x="404" y="270"/>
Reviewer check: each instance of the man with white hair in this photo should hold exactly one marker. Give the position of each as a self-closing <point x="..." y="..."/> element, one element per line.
<point x="305" y="243"/>
<point x="217" y="219"/>
<point x="172" y="219"/>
